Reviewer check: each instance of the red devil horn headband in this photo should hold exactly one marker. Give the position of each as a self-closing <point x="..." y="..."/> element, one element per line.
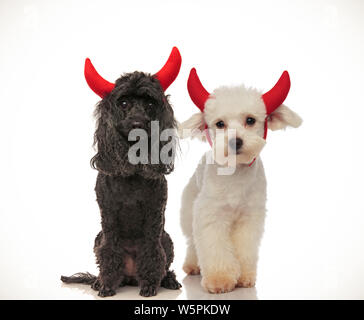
<point x="97" y="83"/>
<point x="276" y="96"/>
<point x="170" y="70"/>
<point x="272" y="99"/>
<point x="197" y="92"/>
<point x="165" y="76"/>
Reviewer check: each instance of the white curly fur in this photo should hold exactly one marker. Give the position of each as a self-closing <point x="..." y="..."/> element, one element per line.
<point x="223" y="216"/>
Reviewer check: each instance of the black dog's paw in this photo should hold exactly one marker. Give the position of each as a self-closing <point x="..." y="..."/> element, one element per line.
<point x="170" y="282"/>
<point x="148" y="291"/>
<point x="106" y="292"/>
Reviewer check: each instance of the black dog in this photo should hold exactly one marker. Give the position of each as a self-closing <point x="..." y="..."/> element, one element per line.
<point x="132" y="248"/>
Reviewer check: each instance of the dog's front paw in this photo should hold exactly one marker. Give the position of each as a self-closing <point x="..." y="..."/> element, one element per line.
<point x="218" y="283"/>
<point x="148" y="291"/>
<point x="247" y="280"/>
<point x="191" y="269"/>
<point x="172" y="284"/>
<point x="170" y="281"/>
<point x="106" y="292"/>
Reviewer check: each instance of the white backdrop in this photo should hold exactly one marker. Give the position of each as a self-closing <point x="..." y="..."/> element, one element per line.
<point x="314" y="243"/>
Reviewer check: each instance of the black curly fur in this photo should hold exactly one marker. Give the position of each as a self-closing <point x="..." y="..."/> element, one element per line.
<point x="132" y="247"/>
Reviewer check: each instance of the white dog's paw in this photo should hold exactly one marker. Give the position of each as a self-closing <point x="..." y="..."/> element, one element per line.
<point x="191" y="269"/>
<point x="247" y="280"/>
<point x="218" y="282"/>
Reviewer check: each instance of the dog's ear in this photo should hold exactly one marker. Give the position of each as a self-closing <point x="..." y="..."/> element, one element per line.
<point x="283" y="117"/>
<point x="112" y="149"/>
<point x="193" y="127"/>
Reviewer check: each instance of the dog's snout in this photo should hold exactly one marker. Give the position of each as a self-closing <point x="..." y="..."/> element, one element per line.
<point x="236" y="144"/>
<point x="124" y="126"/>
<point x="137" y="124"/>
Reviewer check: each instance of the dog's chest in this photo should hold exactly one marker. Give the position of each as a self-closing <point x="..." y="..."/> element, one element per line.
<point x="244" y="189"/>
<point x="136" y="189"/>
<point x="127" y="202"/>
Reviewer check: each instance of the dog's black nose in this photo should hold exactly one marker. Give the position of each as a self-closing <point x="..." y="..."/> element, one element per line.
<point x="235" y="144"/>
<point x="137" y="124"/>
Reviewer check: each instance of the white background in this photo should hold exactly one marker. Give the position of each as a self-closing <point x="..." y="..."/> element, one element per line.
<point x="314" y="243"/>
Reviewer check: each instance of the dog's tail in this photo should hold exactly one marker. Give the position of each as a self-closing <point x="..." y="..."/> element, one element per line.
<point x="80" y="277"/>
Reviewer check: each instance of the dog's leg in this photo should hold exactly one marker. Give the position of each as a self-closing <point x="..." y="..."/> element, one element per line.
<point x="189" y="195"/>
<point x="111" y="269"/>
<point x="169" y="281"/>
<point x="212" y="234"/>
<point x="247" y="233"/>
<point x="151" y="258"/>
<point x="191" y="266"/>
<point x="150" y="267"/>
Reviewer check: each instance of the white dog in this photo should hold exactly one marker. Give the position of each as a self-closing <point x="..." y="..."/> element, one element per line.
<point x="223" y="215"/>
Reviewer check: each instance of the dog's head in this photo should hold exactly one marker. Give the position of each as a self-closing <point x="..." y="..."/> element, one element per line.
<point x="134" y="103"/>
<point x="237" y="119"/>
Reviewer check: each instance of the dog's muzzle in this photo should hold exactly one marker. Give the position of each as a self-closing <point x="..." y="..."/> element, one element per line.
<point x="125" y="126"/>
<point x="236" y="144"/>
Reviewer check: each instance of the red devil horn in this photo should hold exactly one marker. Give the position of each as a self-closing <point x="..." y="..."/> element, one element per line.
<point x="276" y="96"/>
<point x="197" y="92"/>
<point x="170" y="70"/>
<point x="97" y="83"/>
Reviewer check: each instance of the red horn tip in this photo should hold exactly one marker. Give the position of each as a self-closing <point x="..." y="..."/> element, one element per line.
<point x="97" y="83"/>
<point x="276" y="96"/>
<point x="197" y="92"/>
<point x="170" y="70"/>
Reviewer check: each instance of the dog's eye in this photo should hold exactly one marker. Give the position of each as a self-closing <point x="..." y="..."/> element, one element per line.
<point x="220" y="124"/>
<point x="150" y="105"/>
<point x="250" y="121"/>
<point x="124" y="104"/>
